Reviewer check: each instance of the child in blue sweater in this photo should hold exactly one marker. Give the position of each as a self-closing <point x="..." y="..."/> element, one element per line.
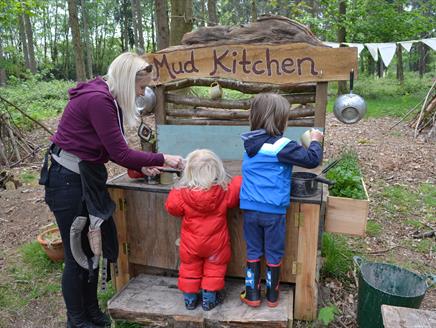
<point x="265" y="193"/>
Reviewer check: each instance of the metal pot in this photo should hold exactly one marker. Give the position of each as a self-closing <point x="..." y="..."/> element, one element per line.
<point x="305" y="184"/>
<point x="146" y="103"/>
<point x="350" y="108"/>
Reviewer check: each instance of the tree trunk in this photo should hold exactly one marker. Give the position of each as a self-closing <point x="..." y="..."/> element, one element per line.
<point x="342" y="85"/>
<point x="211" y="13"/>
<point x="88" y="44"/>
<point x="30" y="46"/>
<point x="162" y="27"/>
<point x="253" y="11"/>
<point x="422" y="61"/>
<point x="75" y="31"/>
<point x="140" y="29"/>
<point x="135" y="22"/>
<point x="54" y="47"/>
<point x="23" y="39"/>
<point x="400" y="71"/>
<point x="202" y="13"/>
<point x="181" y="20"/>
<point x="380" y="68"/>
<point x="2" y="69"/>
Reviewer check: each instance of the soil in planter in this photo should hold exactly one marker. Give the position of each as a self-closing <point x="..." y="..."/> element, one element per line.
<point x="347" y="176"/>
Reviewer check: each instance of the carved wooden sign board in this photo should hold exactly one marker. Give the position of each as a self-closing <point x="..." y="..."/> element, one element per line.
<point x="265" y="63"/>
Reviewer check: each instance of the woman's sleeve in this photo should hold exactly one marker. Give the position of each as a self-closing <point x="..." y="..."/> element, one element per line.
<point x="104" y="119"/>
<point x="174" y="203"/>
<point x="233" y="192"/>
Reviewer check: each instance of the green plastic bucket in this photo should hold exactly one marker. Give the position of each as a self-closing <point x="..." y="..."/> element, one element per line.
<point x="381" y="283"/>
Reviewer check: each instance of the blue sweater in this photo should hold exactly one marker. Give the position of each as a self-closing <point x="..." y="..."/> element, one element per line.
<point x="267" y="167"/>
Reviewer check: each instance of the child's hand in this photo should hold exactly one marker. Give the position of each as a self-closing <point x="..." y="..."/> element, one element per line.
<point x="316" y="135"/>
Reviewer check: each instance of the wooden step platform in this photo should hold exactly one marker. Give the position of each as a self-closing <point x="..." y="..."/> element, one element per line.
<point x="401" y="317"/>
<point x="155" y="301"/>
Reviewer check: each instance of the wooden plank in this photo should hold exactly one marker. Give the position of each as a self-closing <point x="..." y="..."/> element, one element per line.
<point x="321" y="103"/>
<point x="225" y="141"/>
<point x="308" y="122"/>
<point x="265" y="63"/>
<point x="156" y="301"/>
<point x="401" y="317"/>
<point x="347" y="215"/>
<point x="152" y="231"/>
<point x="122" y="272"/>
<point x="306" y="289"/>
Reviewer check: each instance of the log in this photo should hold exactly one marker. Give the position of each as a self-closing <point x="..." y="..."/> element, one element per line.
<point x="185" y="121"/>
<point x="231" y="114"/>
<point x="245" y="87"/>
<point x="231" y="104"/>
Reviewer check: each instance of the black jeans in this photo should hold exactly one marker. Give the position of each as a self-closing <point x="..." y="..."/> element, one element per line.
<point x="63" y="194"/>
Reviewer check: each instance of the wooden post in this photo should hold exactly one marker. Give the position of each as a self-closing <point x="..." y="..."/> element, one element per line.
<point x="306" y="290"/>
<point x="160" y="112"/>
<point x="320" y="104"/>
<point x="122" y="274"/>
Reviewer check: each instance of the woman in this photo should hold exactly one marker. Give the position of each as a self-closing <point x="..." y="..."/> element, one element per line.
<point x="90" y="134"/>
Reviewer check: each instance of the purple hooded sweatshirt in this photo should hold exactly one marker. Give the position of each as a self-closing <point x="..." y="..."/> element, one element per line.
<point x="89" y="128"/>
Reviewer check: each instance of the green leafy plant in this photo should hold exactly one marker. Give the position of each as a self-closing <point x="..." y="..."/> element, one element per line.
<point x="327" y="314"/>
<point x="347" y="176"/>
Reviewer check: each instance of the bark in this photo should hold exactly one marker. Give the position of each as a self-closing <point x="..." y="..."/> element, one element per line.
<point x="341" y="34"/>
<point x="23" y="40"/>
<point x="423" y="56"/>
<point x="140" y="29"/>
<point x="400" y="71"/>
<point x="134" y="22"/>
<point x="2" y="69"/>
<point x="202" y="13"/>
<point x="162" y="27"/>
<point x="88" y="44"/>
<point x="253" y="11"/>
<point x="75" y="31"/>
<point x="30" y="46"/>
<point x="211" y="13"/>
<point x="181" y="20"/>
<point x="54" y="48"/>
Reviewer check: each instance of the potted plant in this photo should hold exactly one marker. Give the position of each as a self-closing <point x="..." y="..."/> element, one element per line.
<point x="347" y="201"/>
<point x="51" y="242"/>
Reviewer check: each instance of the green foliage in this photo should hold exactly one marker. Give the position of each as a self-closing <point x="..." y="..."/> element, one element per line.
<point x="347" y="176"/>
<point x="39" y="99"/>
<point x="125" y="324"/>
<point x="28" y="176"/>
<point x="337" y="254"/>
<point x="327" y="314"/>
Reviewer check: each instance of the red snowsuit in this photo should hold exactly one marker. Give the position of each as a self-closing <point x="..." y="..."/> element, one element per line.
<point x="205" y="242"/>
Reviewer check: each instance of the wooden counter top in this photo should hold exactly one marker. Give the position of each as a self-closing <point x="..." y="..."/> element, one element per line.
<point x="233" y="168"/>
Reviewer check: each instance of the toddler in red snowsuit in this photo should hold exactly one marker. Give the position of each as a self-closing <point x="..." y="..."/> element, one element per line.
<point x="201" y="198"/>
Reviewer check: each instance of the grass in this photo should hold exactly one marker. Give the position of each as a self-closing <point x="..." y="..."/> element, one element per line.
<point x="28" y="177"/>
<point x="373" y="229"/>
<point x="337" y="256"/>
<point x="31" y="276"/>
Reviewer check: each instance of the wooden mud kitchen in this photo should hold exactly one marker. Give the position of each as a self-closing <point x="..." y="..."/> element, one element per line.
<point x="273" y="54"/>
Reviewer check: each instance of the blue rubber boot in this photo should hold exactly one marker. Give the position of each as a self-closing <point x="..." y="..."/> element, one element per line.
<point x="191" y="300"/>
<point x="211" y="300"/>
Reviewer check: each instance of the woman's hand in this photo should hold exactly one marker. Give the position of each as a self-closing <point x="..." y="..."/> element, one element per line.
<point x="174" y="161"/>
<point x="316" y="135"/>
<point x="150" y="171"/>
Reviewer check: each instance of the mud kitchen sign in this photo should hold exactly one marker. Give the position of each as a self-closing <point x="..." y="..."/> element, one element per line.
<point x="290" y="63"/>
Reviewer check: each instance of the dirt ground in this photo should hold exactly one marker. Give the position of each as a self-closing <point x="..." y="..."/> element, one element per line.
<point x="388" y="157"/>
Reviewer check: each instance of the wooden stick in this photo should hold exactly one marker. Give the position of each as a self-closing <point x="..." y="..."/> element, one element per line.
<point x="422" y="110"/>
<point x="231" y="113"/>
<point x="231" y="104"/>
<point x="179" y="121"/>
<point x="245" y="87"/>
<point x="2" y="153"/>
<point x="26" y="115"/>
<point x="13" y="140"/>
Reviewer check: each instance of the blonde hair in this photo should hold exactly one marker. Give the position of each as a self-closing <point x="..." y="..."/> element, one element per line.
<point x="122" y="75"/>
<point x="203" y="169"/>
<point x="269" y="111"/>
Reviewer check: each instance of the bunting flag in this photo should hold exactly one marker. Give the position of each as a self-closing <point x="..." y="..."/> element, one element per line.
<point x="359" y="47"/>
<point x="430" y="42"/>
<point x="373" y="50"/>
<point x="407" y="45"/>
<point x="387" y="52"/>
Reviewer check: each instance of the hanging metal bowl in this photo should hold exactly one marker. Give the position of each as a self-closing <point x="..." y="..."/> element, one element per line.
<point x="350" y="108"/>
<point x="146" y="103"/>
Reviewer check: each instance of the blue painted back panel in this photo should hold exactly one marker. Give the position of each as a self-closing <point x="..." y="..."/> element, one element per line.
<point x="225" y="141"/>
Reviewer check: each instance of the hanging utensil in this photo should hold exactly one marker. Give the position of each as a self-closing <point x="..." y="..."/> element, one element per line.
<point x="350" y="108"/>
